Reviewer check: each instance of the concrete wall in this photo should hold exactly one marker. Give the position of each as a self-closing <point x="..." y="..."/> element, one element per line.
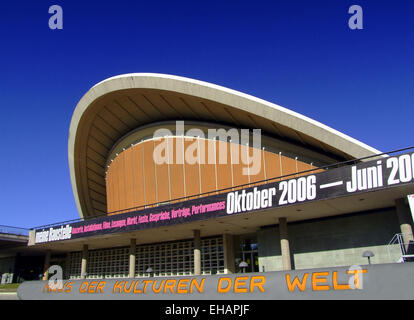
<point x="330" y="242"/>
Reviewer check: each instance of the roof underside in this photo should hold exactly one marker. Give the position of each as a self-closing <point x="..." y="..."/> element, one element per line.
<point x="119" y="105"/>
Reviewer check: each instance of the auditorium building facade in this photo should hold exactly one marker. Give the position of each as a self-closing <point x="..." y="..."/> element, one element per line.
<point x="174" y="176"/>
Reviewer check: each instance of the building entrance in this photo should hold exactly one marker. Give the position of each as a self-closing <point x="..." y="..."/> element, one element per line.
<point x="252" y="259"/>
<point x="248" y="254"/>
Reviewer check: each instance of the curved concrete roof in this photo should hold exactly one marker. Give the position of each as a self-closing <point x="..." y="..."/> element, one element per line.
<point x="119" y="104"/>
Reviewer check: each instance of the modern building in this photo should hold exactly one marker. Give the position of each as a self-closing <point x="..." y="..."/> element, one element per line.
<point x="167" y="182"/>
<point x="18" y="262"/>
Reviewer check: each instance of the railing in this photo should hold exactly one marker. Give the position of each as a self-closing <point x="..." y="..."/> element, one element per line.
<point x="397" y="248"/>
<point x="251" y="184"/>
<point x="14" y="230"/>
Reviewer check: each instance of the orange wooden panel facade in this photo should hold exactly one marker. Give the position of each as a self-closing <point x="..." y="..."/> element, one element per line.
<point x="134" y="179"/>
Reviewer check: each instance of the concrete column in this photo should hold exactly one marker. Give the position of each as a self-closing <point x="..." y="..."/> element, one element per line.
<point x="229" y="256"/>
<point x="46" y="265"/>
<point x="405" y="219"/>
<point x="84" y="261"/>
<point x="197" y="253"/>
<point x="132" y="250"/>
<point x="32" y="238"/>
<point x="284" y="244"/>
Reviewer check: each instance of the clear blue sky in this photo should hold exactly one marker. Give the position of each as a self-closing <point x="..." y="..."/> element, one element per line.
<point x="298" y="54"/>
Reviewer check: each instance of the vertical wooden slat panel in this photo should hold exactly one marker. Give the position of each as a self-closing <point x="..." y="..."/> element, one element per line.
<point x="257" y="165"/>
<point x="121" y="181"/>
<point x="272" y="165"/>
<point x="138" y="175"/>
<point x="115" y="184"/>
<point x="162" y="172"/>
<point x="223" y="169"/>
<point x="208" y="171"/>
<point x="238" y="154"/>
<point x="302" y="166"/>
<point x="289" y="166"/>
<point x="150" y="189"/>
<point x="128" y="178"/>
<point x="109" y="190"/>
<point x="134" y="184"/>
<point x="192" y="181"/>
<point x="176" y="169"/>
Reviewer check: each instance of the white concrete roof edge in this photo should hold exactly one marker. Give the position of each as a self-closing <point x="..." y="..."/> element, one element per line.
<point x="212" y="92"/>
<point x="233" y="92"/>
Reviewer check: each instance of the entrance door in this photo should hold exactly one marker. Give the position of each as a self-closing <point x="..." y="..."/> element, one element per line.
<point x="252" y="259"/>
